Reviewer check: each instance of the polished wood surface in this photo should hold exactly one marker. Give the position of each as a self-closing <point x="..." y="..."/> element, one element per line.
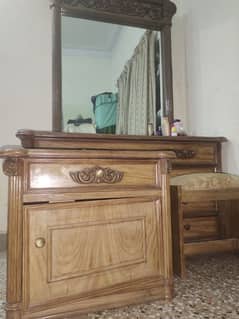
<point x="76" y="247"/>
<point x="205" y="228"/>
<point x="192" y="155"/>
<point x="212" y="246"/>
<point x="57" y="211"/>
<point x="60" y="140"/>
<point x="90" y="247"/>
<point x="60" y="174"/>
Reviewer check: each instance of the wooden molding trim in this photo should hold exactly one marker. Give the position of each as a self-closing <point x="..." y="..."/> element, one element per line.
<point x="11" y="167"/>
<point x="147" y="10"/>
<point x="213" y="246"/>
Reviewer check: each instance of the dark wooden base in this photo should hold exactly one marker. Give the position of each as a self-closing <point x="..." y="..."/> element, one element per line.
<point x="74" y="309"/>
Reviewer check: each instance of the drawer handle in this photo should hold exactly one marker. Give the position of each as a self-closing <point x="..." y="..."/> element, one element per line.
<point x="40" y="242"/>
<point x="187" y="227"/>
<point x="97" y="175"/>
<point x="185" y="154"/>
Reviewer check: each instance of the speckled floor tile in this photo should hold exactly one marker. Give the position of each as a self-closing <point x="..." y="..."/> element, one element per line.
<point x="211" y="291"/>
<point x="2" y="283"/>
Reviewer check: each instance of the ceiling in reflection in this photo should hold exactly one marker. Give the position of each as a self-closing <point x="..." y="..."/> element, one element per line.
<point x="85" y="35"/>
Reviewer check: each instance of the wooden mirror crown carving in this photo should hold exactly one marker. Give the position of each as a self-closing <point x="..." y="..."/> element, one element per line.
<point x="156" y="12"/>
<point x="150" y="14"/>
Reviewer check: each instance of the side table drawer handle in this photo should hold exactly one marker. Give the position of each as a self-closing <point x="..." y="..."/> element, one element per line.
<point x="185" y="154"/>
<point x="97" y="175"/>
<point x="40" y="242"/>
<point x="187" y="227"/>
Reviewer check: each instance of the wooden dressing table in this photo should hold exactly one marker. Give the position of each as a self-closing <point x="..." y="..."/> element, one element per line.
<point x="89" y="219"/>
<point x="89" y="222"/>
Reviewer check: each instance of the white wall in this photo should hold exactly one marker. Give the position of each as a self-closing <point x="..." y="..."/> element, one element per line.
<point x="212" y="71"/>
<point x="179" y="65"/>
<point x="89" y="73"/>
<point x="84" y="75"/>
<point x="25" y="77"/>
<point x="127" y="41"/>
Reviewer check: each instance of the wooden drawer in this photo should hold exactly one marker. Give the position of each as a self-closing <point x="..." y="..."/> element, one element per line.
<point x="200" y="228"/>
<point x="56" y="174"/>
<point x="199" y="209"/>
<point x="192" y="153"/>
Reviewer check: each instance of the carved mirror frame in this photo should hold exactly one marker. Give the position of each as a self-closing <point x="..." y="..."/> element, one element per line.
<point x="150" y="14"/>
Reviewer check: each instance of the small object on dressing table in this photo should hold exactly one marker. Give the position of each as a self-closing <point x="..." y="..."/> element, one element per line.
<point x="150" y="129"/>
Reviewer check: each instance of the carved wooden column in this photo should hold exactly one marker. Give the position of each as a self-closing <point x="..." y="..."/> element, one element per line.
<point x="56" y="67"/>
<point x="163" y="172"/>
<point x="167" y="73"/>
<point x="12" y="167"/>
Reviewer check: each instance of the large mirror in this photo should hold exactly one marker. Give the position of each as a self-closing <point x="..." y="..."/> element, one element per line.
<point x="112" y="78"/>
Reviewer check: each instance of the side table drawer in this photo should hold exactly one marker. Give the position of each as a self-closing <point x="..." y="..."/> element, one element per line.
<point x="86" y="173"/>
<point x="200" y="228"/>
<point x="193" y="153"/>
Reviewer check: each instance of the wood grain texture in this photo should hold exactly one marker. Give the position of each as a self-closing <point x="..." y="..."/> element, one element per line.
<point x="141" y="292"/>
<point x="100" y="246"/>
<point x="56" y="68"/>
<point x="165" y="218"/>
<point x="209" y="195"/>
<point x="201" y="228"/>
<point x="61" y="277"/>
<point x="14" y="240"/>
<point x="60" y="140"/>
<point x="207" y="247"/>
<point x="191" y="169"/>
<point x="51" y="196"/>
<point x="91" y="246"/>
<point x="179" y="268"/>
<point x="58" y="175"/>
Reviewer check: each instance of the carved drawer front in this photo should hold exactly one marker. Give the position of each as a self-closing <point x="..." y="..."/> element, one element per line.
<point x="83" y="173"/>
<point x="200" y="228"/>
<point x="75" y="250"/>
<point x="192" y="152"/>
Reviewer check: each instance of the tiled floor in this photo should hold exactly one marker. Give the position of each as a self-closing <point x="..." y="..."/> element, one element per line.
<point x="211" y="291"/>
<point x="2" y="283"/>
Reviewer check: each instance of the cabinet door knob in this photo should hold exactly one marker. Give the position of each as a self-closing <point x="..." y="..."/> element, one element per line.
<point x="187" y="227"/>
<point x="40" y="242"/>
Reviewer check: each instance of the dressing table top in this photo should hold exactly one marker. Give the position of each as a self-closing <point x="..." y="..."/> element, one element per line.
<point x="60" y="140"/>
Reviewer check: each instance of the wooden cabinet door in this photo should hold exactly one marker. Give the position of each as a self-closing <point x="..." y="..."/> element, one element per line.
<point x="93" y="248"/>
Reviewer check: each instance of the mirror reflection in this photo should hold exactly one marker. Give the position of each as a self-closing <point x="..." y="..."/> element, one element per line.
<point x="110" y="78"/>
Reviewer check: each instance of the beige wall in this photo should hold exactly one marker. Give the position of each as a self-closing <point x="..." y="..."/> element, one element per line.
<point x="211" y="44"/>
<point x="84" y="75"/>
<point x="25" y="76"/>
<point x="179" y="65"/>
